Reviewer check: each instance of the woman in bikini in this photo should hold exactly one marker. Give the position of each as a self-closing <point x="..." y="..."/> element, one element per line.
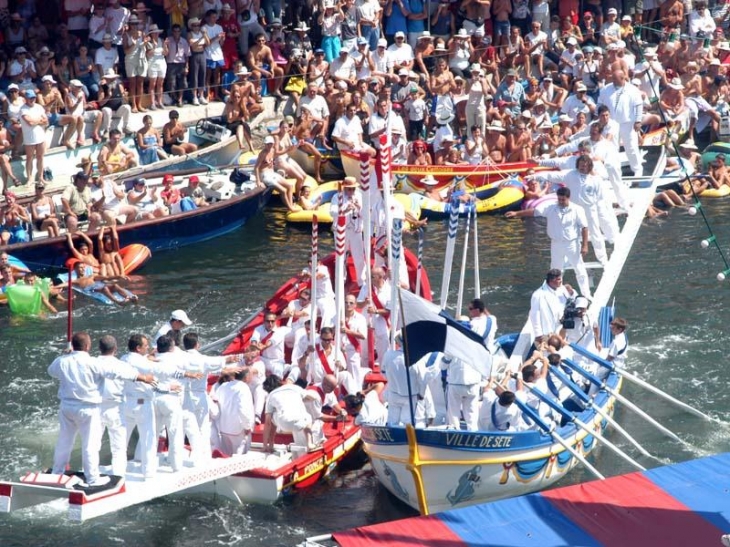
<point x="110" y="261"/>
<point x="42" y="211"/>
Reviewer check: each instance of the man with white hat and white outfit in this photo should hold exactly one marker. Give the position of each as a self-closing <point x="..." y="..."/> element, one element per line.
<point x="348" y="203"/>
<point x="178" y="320"/>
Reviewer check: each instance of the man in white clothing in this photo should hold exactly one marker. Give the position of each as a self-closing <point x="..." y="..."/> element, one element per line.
<point x="400" y="404"/>
<point x="269" y="340"/>
<point x="322" y="359"/>
<point x="348" y="132"/>
<point x="354" y="331"/>
<point x="139" y="408"/>
<point x="462" y="393"/>
<point x="80" y="379"/>
<point x="236" y="419"/>
<point x="178" y="320"/>
<point x="482" y="322"/>
<point x="112" y="406"/>
<point x="498" y="411"/>
<point x="348" y="203"/>
<point x="377" y="301"/>
<point x="285" y="413"/>
<point x="548" y="303"/>
<point x="196" y="396"/>
<point x="626" y="107"/>
<point x="567" y="229"/>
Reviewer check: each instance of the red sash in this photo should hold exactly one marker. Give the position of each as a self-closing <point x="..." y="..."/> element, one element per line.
<point x="353" y="339"/>
<point x="318" y="390"/>
<point x="266" y="338"/>
<point x="379" y="305"/>
<point x="324" y="361"/>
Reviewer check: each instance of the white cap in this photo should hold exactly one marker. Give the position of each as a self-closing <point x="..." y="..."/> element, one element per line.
<point x="382" y="42"/>
<point x="48" y="78"/>
<point x="269" y="140"/>
<point x="572" y="41"/>
<point x="612" y="11"/>
<point x="180" y="315"/>
<point x="581" y="302"/>
<point x="400" y="34"/>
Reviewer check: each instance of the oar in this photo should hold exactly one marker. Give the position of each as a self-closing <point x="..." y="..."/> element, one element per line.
<point x="638" y="381"/>
<point x="575" y="388"/>
<point x="449" y="255"/>
<point x="595" y="381"/>
<point x="230" y="336"/>
<point x="477" y="282"/>
<point x="582" y="425"/>
<point x="462" y="273"/>
<point x="557" y="438"/>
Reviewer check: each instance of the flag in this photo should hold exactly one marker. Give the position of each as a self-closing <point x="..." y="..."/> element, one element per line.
<point x="427" y="329"/>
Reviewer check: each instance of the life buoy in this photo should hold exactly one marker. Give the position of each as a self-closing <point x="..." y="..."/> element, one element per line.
<point x="134" y="256"/>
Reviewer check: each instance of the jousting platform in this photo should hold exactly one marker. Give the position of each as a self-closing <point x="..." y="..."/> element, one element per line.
<point x="88" y="502"/>
<point x="680" y="505"/>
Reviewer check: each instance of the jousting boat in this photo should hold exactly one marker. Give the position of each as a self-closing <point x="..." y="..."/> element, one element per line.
<point x="434" y="469"/>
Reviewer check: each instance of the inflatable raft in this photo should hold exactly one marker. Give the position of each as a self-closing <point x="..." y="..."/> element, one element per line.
<point x="495" y="198"/>
<point x="134" y="256"/>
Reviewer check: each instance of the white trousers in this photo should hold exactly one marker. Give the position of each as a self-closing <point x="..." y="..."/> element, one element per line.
<point x="399" y="410"/>
<point x="327" y="311"/>
<point x="296" y="428"/>
<point x="84" y="419"/>
<point x="196" y="405"/>
<point x="141" y="413"/>
<point x="569" y="251"/>
<point x="123" y="112"/>
<point x="235" y="443"/>
<point x="607" y="221"/>
<point x="112" y="419"/>
<point x="169" y="414"/>
<point x="463" y="400"/>
<point x="594" y="233"/>
<point x="356" y="247"/>
<point x="619" y="187"/>
<point x="630" y="139"/>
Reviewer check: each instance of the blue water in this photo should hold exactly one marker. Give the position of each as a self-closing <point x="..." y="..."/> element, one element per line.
<point x="668" y="293"/>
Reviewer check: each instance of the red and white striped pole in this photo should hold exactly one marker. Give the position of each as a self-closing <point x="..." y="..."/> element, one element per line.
<point x="368" y="241"/>
<point x="313" y="286"/>
<point x="339" y="272"/>
<point x="385" y="158"/>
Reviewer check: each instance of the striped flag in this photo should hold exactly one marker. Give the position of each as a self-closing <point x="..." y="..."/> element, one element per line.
<point x="427" y="329"/>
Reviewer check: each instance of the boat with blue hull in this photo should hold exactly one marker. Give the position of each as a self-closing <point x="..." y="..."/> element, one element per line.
<point x="161" y="234"/>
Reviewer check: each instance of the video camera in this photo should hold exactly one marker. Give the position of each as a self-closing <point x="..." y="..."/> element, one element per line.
<point x="569" y="315"/>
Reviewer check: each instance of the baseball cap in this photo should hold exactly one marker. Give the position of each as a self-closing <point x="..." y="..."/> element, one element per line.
<point x="382" y="42"/>
<point x="30" y="94"/>
<point x="168" y="178"/>
<point x="180" y="315"/>
<point x="269" y="140"/>
<point x="194" y="178"/>
<point x="400" y="34"/>
<point x="612" y="11"/>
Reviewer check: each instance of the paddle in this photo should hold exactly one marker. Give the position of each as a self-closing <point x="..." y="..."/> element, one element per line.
<point x="231" y="335"/>
<point x="449" y="255"/>
<point x="638" y="381"/>
<point x="462" y="273"/>
<point x="477" y="281"/>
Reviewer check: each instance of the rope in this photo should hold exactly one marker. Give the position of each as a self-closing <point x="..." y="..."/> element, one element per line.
<point x="697" y="204"/>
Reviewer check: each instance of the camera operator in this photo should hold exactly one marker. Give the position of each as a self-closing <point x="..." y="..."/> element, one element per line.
<point x="548" y="303"/>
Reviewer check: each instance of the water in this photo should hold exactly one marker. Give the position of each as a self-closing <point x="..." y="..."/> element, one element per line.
<point x="668" y="293"/>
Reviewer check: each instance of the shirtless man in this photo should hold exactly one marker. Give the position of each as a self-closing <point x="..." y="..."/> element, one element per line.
<point x="717" y="172"/>
<point x="671" y="13"/>
<point x="261" y="62"/>
<point x="85" y="252"/>
<point x="49" y="97"/>
<point x="305" y="133"/>
<point x="251" y="103"/>
<point x="496" y="142"/>
<point x="110" y="261"/>
<point x="114" y="156"/>
<point x="99" y="284"/>
<point x="173" y="134"/>
<point x="442" y="79"/>
<point x="266" y="176"/>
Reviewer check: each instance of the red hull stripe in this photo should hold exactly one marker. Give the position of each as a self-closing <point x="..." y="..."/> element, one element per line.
<point x="429" y="530"/>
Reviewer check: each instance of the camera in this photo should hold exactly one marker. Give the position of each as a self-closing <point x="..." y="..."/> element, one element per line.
<point x="569" y="315"/>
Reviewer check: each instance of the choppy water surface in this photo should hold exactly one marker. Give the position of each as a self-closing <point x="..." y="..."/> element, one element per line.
<point x="668" y="293"/>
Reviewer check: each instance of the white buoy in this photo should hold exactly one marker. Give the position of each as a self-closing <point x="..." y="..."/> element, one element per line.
<point x="721" y="276"/>
<point x="692" y="211"/>
<point x="705" y="244"/>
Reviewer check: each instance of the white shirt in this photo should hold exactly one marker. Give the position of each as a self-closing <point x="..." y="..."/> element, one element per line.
<point x="585" y="190"/>
<point x="77" y="22"/>
<point x="113" y="390"/>
<point x="563" y="223"/>
<point x="618" y="348"/>
<point x="541" y="38"/>
<point x="573" y="105"/>
<point x="495" y="417"/>
<point x="349" y="130"/>
<point x="275" y="352"/>
<point x="236" y="408"/>
<point x="546" y="309"/>
<point x="81" y="377"/>
<point x="460" y="373"/>
<point x="624" y="103"/>
<point x="352" y="210"/>
<point x="143" y="365"/>
<point x="213" y="52"/>
<point x="317" y="105"/>
<point x="106" y="58"/>
<point x="344" y="69"/>
<point x="393" y="366"/>
<point x="32" y="134"/>
<point x="205" y="364"/>
<point x="286" y="404"/>
<point x="398" y="55"/>
<point x="701" y="22"/>
<point x="315" y="368"/>
<point x="479" y="326"/>
<point x="119" y="18"/>
<point x="359" y="324"/>
<point x="379" y="322"/>
<point x="373" y="411"/>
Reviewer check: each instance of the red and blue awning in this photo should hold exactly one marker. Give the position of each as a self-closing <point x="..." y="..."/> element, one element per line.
<point x="682" y="505"/>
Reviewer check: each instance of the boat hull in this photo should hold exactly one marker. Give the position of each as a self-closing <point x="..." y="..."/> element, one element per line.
<point x="458" y="468"/>
<point x="407" y="178"/>
<point x="170" y="232"/>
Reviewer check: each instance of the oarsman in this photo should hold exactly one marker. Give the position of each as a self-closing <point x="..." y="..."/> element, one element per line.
<point x="80" y="379"/>
<point x="324" y="294"/>
<point x="567" y="229"/>
<point x="377" y="303"/>
<point x="269" y="340"/>
<point x="354" y="330"/>
<point x="297" y="313"/>
<point x="396" y="394"/>
<point x="322" y="359"/>
<point x="498" y="411"/>
<point x="285" y="413"/>
<point x="236" y="419"/>
<point x="462" y="393"/>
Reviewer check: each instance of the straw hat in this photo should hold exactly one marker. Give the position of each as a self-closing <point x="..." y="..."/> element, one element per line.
<point x="110" y="74"/>
<point x="154" y="29"/>
<point x="689" y="145"/>
<point x="677" y="84"/>
<point x="496" y="125"/>
<point x="428" y="180"/>
<point x="85" y="162"/>
<point x="349" y="182"/>
<point x="193" y="21"/>
<point x="445" y="117"/>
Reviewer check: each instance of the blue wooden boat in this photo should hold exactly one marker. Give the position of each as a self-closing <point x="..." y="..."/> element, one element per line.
<point x="161" y="234"/>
